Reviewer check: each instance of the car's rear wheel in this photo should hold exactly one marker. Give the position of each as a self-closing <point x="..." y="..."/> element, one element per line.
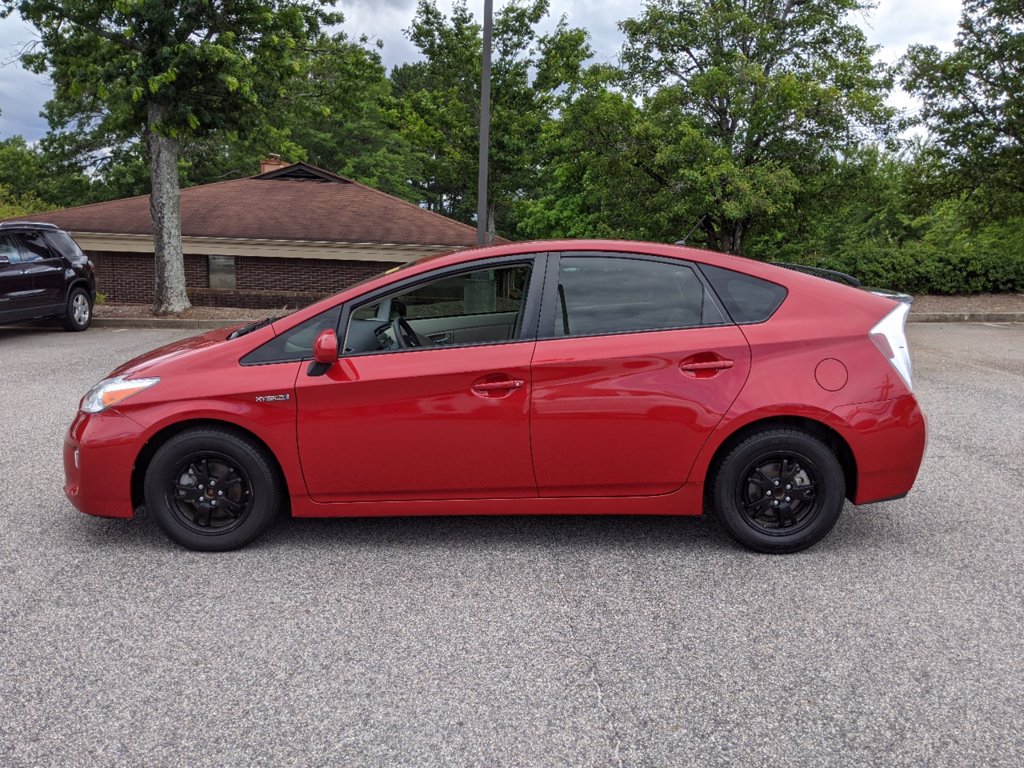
<point x="212" y="489"/>
<point x="78" y="314"/>
<point x="779" y="490"/>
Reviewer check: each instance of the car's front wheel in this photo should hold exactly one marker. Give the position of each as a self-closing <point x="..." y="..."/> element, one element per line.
<point x="212" y="489"/>
<point x="779" y="491"/>
<point x="78" y="314"/>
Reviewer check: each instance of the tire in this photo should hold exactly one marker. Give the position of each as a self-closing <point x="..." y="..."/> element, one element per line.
<point x="78" y="314"/>
<point x="181" y="493"/>
<point x="779" y="491"/>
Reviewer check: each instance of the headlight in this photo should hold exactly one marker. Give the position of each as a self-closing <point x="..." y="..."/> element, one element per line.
<point x="110" y="392"/>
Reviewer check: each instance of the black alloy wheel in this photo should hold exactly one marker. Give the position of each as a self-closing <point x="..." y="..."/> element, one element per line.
<point x="780" y="490"/>
<point x="212" y="488"/>
<point x="210" y="492"/>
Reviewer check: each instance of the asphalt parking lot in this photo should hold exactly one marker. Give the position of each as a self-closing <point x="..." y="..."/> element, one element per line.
<point x="548" y="642"/>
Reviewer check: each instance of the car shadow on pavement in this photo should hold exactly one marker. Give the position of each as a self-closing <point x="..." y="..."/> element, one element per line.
<point x="640" y="533"/>
<point x="38" y="328"/>
<point x="595" y="532"/>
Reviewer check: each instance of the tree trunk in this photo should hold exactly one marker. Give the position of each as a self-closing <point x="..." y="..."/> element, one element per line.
<point x="708" y="225"/>
<point x="732" y="236"/>
<point x="164" y="207"/>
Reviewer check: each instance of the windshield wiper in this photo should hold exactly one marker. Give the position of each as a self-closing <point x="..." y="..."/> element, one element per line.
<point x="251" y="327"/>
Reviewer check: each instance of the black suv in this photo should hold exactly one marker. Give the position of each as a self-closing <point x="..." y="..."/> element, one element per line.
<point x="43" y="273"/>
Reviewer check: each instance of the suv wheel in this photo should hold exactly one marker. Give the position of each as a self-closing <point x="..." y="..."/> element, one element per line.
<point x="79" y="310"/>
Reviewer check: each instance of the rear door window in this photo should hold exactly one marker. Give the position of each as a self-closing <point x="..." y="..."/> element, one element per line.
<point x="9" y="250"/>
<point x="621" y="294"/>
<point x="34" y="247"/>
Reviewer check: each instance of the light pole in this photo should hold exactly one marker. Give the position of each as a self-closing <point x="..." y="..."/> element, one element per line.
<point x="485" y="127"/>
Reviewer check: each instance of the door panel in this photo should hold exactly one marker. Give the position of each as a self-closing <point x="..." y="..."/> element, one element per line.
<point x="15" y="282"/>
<point x="626" y="414"/>
<point x="467" y="329"/>
<point x="429" y="424"/>
<point x="15" y="288"/>
<point x="46" y="268"/>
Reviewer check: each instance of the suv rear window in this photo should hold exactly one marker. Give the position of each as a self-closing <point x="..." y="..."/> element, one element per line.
<point x="62" y="243"/>
<point x="748" y="299"/>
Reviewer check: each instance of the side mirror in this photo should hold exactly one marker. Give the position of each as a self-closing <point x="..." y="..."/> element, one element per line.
<point x="325" y="353"/>
<point x="325" y="348"/>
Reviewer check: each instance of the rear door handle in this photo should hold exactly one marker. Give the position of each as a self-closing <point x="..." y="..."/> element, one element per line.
<point x="710" y="365"/>
<point x="705" y="365"/>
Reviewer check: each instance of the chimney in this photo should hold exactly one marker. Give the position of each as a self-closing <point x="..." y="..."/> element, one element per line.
<point x="271" y="163"/>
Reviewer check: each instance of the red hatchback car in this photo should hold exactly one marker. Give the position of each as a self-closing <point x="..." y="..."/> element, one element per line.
<point x="571" y="377"/>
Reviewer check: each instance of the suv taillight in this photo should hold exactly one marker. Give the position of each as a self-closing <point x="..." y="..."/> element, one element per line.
<point x="890" y="336"/>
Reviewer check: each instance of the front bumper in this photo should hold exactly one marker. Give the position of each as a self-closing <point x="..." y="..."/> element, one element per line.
<point x="888" y="440"/>
<point x="99" y="454"/>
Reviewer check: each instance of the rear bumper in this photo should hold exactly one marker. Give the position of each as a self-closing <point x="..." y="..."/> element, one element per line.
<point x="888" y="441"/>
<point x="99" y="453"/>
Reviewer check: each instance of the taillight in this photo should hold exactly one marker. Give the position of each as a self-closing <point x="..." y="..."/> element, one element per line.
<point x="890" y="336"/>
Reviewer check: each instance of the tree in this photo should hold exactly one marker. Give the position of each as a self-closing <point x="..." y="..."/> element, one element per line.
<point x="973" y="101"/>
<point x="342" y="115"/>
<point x="40" y="174"/>
<point x="441" y="99"/>
<point x="163" y="73"/>
<point x="725" y="109"/>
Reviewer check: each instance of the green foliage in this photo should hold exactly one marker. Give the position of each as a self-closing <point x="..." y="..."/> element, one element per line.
<point x="721" y="114"/>
<point x="746" y="102"/>
<point x="210" y="67"/>
<point x="866" y="220"/>
<point x="13" y="205"/>
<point x="43" y="177"/>
<point x="974" y="104"/>
<point x="440" y="99"/>
<point x="341" y="114"/>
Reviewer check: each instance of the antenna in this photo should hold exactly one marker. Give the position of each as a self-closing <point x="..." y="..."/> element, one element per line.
<point x="699" y="222"/>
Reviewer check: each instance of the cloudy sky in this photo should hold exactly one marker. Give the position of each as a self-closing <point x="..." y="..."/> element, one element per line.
<point x="893" y="25"/>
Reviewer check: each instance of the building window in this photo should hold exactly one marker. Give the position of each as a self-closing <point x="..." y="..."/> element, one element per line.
<point x="222" y="272"/>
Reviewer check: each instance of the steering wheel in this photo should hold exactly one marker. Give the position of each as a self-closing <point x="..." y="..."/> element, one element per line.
<point x="405" y="336"/>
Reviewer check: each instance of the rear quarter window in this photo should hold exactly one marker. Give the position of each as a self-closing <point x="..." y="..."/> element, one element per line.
<point x="748" y="299"/>
<point x="62" y="243"/>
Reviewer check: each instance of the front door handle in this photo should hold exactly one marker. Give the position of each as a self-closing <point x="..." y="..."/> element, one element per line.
<point x="491" y="386"/>
<point x="496" y="387"/>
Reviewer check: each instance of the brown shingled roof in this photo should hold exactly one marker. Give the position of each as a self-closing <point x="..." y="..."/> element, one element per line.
<point x="298" y="202"/>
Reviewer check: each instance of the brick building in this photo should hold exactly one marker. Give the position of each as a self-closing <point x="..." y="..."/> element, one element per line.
<point x="288" y="236"/>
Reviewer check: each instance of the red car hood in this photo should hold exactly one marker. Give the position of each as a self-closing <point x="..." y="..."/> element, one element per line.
<point x="172" y="351"/>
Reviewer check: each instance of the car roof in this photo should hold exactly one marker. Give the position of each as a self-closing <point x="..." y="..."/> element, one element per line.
<point x="17" y="225"/>
<point x="753" y="267"/>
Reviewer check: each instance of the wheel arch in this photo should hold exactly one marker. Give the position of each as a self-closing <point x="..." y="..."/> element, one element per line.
<point x="79" y="282"/>
<point x="823" y="432"/>
<point x="145" y="456"/>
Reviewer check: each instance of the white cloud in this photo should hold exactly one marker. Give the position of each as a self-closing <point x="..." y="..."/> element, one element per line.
<point x="22" y="94"/>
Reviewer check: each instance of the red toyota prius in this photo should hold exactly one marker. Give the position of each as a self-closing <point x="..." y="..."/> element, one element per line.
<point x="570" y="377"/>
